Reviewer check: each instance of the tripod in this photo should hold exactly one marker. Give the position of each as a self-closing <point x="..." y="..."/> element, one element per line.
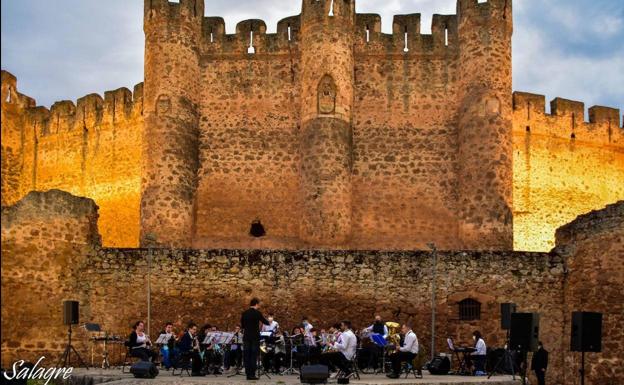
<point x="66" y="356"/>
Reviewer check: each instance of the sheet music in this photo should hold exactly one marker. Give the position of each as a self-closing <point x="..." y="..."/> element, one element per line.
<point x="225" y="338"/>
<point x="163" y="339"/>
<point x="211" y="338"/>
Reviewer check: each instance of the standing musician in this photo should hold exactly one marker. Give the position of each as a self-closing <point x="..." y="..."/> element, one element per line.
<point x="234" y="355"/>
<point x="345" y="347"/>
<point x="250" y="321"/>
<point x="272" y="326"/>
<point x="168" y="350"/>
<point x="189" y="348"/>
<point x="307" y="326"/>
<point x="405" y="353"/>
<point x="378" y="327"/>
<point x="140" y="344"/>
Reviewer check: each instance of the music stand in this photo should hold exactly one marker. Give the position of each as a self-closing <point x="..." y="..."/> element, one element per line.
<point x="291" y="369"/>
<point x="380" y="342"/>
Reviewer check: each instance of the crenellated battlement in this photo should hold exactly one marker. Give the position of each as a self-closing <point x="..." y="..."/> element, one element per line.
<point x="185" y="9"/>
<point x="567" y="120"/>
<point x="117" y="106"/>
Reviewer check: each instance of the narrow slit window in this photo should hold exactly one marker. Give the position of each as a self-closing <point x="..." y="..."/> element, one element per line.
<point x="9" y="97"/>
<point x="331" y="8"/>
<point x="251" y="49"/>
<point x="367" y="33"/>
<point x="211" y="36"/>
<point x="289" y="33"/>
<point x="406" y="48"/>
<point x="446" y="41"/>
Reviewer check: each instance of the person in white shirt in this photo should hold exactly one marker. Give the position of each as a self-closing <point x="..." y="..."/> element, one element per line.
<point x="345" y="346"/>
<point x="479" y="354"/>
<point x="272" y="326"/>
<point x="307" y="326"/>
<point x="405" y="353"/>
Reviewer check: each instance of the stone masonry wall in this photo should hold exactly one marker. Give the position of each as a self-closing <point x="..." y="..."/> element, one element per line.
<point x="246" y="137"/>
<point x="45" y="238"/>
<point x="594" y="245"/>
<point x="51" y="252"/>
<point x="91" y="148"/>
<point x="563" y="166"/>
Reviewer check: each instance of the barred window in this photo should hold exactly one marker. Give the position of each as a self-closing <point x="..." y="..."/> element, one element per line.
<point x="469" y="309"/>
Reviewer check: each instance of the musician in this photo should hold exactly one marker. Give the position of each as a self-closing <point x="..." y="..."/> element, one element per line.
<point x="234" y="356"/>
<point x="275" y="355"/>
<point x="168" y="350"/>
<point x="307" y="326"/>
<point x="211" y="351"/>
<point x="378" y="327"/>
<point x="189" y="348"/>
<point x="272" y="326"/>
<point x="405" y="353"/>
<point x="250" y="321"/>
<point x="314" y="346"/>
<point x="539" y="364"/>
<point x="140" y="344"/>
<point x="345" y="347"/>
<point x="480" y="353"/>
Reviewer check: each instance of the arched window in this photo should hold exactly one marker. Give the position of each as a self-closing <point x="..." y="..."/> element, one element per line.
<point x="469" y="310"/>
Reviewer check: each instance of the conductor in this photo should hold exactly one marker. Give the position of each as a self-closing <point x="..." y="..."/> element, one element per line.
<point x="250" y="322"/>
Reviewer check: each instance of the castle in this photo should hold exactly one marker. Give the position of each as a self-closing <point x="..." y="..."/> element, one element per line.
<point x="311" y="167"/>
<point x="325" y="134"/>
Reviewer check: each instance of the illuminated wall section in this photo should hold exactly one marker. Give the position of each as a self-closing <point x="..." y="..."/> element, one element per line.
<point x="563" y="166"/>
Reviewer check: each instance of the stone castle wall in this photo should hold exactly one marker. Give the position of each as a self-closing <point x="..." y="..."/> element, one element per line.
<point x="90" y="148"/>
<point x="594" y="246"/>
<point x="563" y="165"/>
<point x="51" y="252"/>
<point x="236" y="138"/>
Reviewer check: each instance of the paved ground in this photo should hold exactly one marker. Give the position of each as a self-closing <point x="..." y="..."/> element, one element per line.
<point x="115" y="377"/>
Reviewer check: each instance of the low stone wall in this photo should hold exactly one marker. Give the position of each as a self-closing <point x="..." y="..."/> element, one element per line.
<point x="50" y="255"/>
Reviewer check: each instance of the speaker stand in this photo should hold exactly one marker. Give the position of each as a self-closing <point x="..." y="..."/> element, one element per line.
<point x="507" y="358"/>
<point x="66" y="356"/>
<point x="582" y="369"/>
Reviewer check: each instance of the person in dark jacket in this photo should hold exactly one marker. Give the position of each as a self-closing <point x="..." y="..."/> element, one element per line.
<point x="539" y="364"/>
<point x="250" y="322"/>
<point x="189" y="349"/>
<point x="140" y="344"/>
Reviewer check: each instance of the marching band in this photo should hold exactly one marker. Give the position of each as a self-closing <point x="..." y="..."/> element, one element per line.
<point x="260" y="343"/>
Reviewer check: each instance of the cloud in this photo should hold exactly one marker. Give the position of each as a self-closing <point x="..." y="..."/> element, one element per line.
<point x="65" y="49"/>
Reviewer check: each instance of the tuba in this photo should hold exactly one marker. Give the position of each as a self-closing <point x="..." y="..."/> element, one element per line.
<point x="394" y="338"/>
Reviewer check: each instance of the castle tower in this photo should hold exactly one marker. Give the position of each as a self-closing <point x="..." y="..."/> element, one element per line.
<point x="170" y="140"/>
<point x="327" y="78"/>
<point x="485" y="124"/>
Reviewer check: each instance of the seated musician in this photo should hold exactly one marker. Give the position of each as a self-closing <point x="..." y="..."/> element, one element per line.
<point x="345" y="347"/>
<point x="405" y="353"/>
<point x="234" y="356"/>
<point x="189" y="348"/>
<point x="168" y="350"/>
<point x="314" y="346"/>
<point x="211" y="351"/>
<point x="140" y="344"/>
<point x="480" y="353"/>
<point x="273" y="359"/>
